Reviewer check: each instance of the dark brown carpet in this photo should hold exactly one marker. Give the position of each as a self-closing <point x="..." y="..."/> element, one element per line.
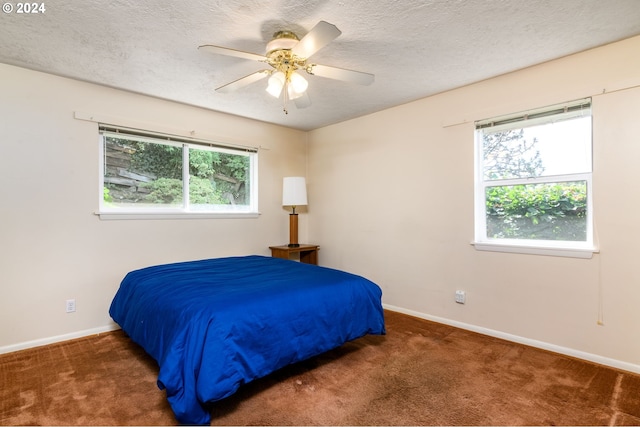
<point x="420" y="373"/>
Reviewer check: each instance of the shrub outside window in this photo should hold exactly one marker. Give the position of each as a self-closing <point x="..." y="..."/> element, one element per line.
<point x="533" y="181"/>
<point x="149" y="174"/>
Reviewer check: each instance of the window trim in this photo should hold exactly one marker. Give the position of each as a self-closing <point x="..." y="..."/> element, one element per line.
<point x="585" y="253"/>
<point x="582" y="249"/>
<point x="182" y="212"/>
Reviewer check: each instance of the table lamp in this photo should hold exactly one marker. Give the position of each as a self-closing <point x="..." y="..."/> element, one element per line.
<point x="294" y="193"/>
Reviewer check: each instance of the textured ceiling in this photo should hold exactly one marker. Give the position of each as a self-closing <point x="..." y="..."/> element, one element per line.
<point x="415" y="48"/>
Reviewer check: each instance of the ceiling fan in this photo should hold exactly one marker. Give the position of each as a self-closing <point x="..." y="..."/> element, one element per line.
<point x="288" y="55"/>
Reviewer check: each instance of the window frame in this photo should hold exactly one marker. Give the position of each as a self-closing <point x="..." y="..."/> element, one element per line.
<point x="183" y="211"/>
<point x="566" y="248"/>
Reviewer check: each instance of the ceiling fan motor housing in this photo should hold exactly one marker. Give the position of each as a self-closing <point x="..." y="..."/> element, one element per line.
<point x="280" y="56"/>
<point x="282" y="40"/>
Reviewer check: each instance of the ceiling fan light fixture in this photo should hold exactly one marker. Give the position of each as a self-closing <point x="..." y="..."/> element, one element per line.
<point x="292" y="94"/>
<point x="298" y="83"/>
<point x="276" y="83"/>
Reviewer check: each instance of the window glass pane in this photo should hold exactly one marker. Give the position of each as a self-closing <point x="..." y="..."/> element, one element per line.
<point x="218" y="180"/>
<point x="550" y="211"/>
<point x="139" y="173"/>
<point x="553" y="148"/>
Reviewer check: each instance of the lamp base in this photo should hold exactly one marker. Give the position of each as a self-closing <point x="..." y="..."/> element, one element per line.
<point x="293" y="230"/>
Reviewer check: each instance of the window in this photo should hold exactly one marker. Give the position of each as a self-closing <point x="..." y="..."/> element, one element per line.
<point x="160" y="175"/>
<point x="533" y="181"/>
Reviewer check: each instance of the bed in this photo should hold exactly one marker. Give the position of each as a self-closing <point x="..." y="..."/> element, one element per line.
<point x="215" y="324"/>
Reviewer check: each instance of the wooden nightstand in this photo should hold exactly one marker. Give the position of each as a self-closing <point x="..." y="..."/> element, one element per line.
<point x="307" y="253"/>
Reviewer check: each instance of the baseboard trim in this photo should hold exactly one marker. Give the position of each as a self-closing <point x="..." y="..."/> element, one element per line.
<point x="58" y="338"/>
<point x="614" y="363"/>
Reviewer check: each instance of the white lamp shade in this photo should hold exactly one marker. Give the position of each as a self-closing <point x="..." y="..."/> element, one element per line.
<point x="297" y="86"/>
<point x="294" y="191"/>
<point x="299" y="83"/>
<point x="276" y="82"/>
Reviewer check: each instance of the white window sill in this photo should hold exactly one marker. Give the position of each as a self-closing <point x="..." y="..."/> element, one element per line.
<point x="176" y="215"/>
<point x="585" y="253"/>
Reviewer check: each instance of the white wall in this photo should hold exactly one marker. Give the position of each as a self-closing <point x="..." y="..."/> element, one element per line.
<point x="391" y="198"/>
<point x="393" y="201"/>
<point x="55" y="248"/>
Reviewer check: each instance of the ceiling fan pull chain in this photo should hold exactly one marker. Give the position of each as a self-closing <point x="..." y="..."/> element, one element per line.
<point x="285" y="96"/>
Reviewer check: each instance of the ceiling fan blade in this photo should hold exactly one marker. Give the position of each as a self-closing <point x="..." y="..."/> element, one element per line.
<point x="341" y="74"/>
<point x="303" y="101"/>
<point x="231" y="52"/>
<point x="319" y="36"/>
<point x="244" y="81"/>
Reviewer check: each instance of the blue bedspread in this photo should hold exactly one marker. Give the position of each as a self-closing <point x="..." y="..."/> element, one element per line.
<point x="213" y="325"/>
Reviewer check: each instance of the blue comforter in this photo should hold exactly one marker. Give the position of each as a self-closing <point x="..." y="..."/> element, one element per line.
<point x="213" y="325"/>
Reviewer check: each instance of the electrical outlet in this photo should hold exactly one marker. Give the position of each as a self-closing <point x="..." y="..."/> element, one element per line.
<point x="461" y="297"/>
<point x="71" y="305"/>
